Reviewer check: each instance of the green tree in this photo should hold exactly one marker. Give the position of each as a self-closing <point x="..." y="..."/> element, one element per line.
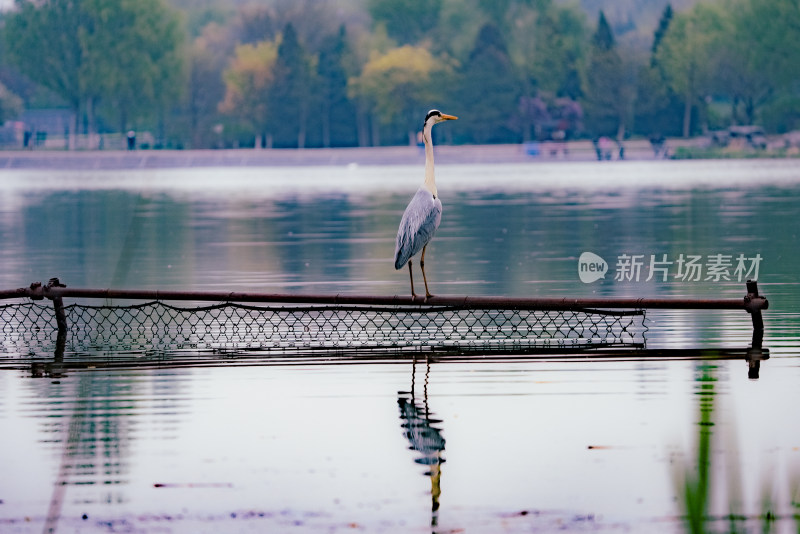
<point x="406" y="21"/>
<point x="657" y="109"/>
<point x="495" y="11"/>
<point x="123" y="52"/>
<point x="44" y="41"/>
<point x="737" y="68"/>
<point x="289" y="96"/>
<point x="545" y="44"/>
<point x="10" y="104"/>
<point x="663" y="26"/>
<point x="138" y="52"/>
<point x="247" y="80"/>
<point x="255" y="24"/>
<point x="398" y="86"/>
<point x="209" y="57"/>
<point x="607" y="95"/>
<point x="603" y="38"/>
<point x="489" y="88"/>
<point x="337" y="113"/>
<point x="760" y="65"/>
<point x="686" y="56"/>
<point x="774" y="34"/>
<point x="560" y="35"/>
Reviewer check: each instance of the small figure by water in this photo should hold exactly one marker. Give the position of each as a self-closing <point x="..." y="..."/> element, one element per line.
<point x="424" y="213"/>
<point x="605" y="148"/>
<point x="657" y="141"/>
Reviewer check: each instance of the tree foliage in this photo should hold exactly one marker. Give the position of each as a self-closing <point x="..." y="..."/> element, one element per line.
<point x="687" y="50"/>
<point x="773" y="30"/>
<point x="407" y="21"/>
<point x="663" y="26"/>
<point x="559" y="47"/>
<point x="125" y="54"/>
<point x="290" y="94"/>
<point x="44" y="41"/>
<point x="336" y="111"/>
<point x="488" y="77"/>
<point x="209" y="57"/>
<point x="295" y="73"/>
<point x="608" y="93"/>
<point x="398" y="84"/>
<point x="10" y="104"/>
<point x="246" y="83"/>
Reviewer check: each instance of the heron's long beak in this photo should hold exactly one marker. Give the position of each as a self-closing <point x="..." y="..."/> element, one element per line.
<point x="448" y="117"/>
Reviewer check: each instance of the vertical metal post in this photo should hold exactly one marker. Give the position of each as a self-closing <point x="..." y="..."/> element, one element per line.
<point x="58" y="306"/>
<point x="755" y="303"/>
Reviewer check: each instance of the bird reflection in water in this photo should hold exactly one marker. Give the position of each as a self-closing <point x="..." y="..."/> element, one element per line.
<point x="423" y="436"/>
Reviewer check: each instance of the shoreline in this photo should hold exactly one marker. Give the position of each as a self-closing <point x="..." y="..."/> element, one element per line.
<point x="393" y="155"/>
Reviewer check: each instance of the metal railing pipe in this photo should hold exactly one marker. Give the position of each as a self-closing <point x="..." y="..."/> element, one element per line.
<point x="751" y="302"/>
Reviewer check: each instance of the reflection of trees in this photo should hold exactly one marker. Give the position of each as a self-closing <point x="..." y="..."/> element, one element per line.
<point x="93" y="438"/>
<point x="89" y="419"/>
<point x="424" y="438"/>
<point x="695" y="486"/>
<point x="696" y="481"/>
<point x="95" y="238"/>
<point x="339" y="241"/>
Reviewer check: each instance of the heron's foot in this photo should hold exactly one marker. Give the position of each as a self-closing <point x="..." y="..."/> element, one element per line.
<point x="427" y="296"/>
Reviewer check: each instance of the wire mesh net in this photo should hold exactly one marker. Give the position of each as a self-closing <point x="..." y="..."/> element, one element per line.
<point x="31" y="328"/>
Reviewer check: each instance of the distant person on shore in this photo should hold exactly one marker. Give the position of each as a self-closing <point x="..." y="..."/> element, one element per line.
<point x="131" y="140"/>
<point x="657" y="142"/>
<point x="605" y="148"/>
<point x="559" y="143"/>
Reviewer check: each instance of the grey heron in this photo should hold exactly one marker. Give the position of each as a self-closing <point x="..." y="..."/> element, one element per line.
<point x="424" y="213"/>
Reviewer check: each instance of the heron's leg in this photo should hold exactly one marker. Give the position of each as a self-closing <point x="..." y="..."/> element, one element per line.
<point x="424" y="278"/>
<point x="411" y="277"/>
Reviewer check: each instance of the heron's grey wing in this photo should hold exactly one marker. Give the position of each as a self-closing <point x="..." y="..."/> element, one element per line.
<point x="419" y="223"/>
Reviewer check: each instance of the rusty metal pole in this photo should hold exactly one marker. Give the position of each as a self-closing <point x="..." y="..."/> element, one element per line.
<point x="754" y="304"/>
<point x="58" y="306"/>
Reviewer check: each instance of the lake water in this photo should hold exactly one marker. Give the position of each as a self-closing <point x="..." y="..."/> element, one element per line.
<point x="629" y="443"/>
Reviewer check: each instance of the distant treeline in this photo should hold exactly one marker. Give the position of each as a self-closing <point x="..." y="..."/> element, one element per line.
<point x="311" y="73"/>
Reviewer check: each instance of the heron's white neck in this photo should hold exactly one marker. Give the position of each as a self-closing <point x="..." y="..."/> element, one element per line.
<point x="430" y="179"/>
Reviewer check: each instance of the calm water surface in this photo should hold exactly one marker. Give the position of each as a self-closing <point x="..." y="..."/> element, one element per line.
<point x="394" y="445"/>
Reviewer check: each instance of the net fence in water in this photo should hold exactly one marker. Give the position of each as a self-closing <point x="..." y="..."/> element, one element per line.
<point x="31" y="328"/>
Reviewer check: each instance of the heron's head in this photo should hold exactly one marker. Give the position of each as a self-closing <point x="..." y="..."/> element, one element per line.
<point x="435" y="116"/>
